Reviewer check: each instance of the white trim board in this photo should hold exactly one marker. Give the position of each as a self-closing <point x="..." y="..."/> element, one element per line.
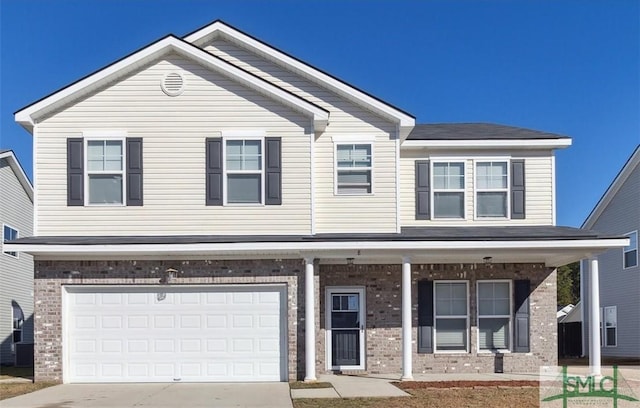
<point x="219" y="28"/>
<point x="28" y="116"/>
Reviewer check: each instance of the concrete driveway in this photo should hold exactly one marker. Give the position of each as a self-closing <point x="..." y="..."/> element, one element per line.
<point x="263" y="395"/>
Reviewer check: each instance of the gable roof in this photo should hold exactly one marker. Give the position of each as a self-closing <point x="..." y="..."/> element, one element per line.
<point x="18" y="171"/>
<point x="481" y="135"/>
<point x="28" y="115"/>
<point x="218" y="28"/>
<point x="613" y="188"/>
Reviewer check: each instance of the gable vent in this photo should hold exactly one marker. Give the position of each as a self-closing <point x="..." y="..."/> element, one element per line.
<point x="173" y="84"/>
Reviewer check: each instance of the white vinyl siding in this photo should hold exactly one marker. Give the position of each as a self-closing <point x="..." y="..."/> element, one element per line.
<point x="538" y="181"/>
<point x="619" y="285"/>
<point x="174" y="130"/>
<point x="16" y="273"/>
<point x="334" y="213"/>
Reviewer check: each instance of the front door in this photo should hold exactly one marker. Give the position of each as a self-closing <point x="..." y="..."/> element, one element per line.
<point x="345" y="328"/>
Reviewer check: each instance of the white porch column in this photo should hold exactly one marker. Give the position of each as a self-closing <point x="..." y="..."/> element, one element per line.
<point x="407" y="370"/>
<point x="594" y="318"/>
<point x="309" y="321"/>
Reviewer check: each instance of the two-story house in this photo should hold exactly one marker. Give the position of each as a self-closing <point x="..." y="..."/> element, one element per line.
<point x="210" y="208"/>
<point x="617" y="212"/>
<point x="16" y="269"/>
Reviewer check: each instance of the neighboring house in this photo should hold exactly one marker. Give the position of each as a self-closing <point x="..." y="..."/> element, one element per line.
<point x="16" y="269"/>
<point x="618" y="213"/>
<point x="210" y="208"/>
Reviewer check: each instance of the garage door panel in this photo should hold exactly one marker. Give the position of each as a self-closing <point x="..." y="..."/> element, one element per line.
<point x="143" y="334"/>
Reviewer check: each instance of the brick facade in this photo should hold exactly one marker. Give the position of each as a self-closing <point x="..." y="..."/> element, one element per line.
<point x="383" y="307"/>
<point x="384" y="316"/>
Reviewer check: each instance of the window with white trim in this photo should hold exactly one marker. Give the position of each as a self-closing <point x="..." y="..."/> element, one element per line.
<point x="17" y="317"/>
<point x="105" y="171"/>
<point x="448" y="189"/>
<point x="354" y="164"/>
<point x="9" y="234"/>
<point x="451" y="316"/>
<point x="244" y="171"/>
<point x="610" y="314"/>
<point x="494" y="315"/>
<point x="630" y="252"/>
<point x="492" y="189"/>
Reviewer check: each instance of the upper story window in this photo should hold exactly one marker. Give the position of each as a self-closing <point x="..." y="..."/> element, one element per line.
<point x="244" y="171"/>
<point x="492" y="189"/>
<point x="104" y="168"/>
<point x="448" y="190"/>
<point x="9" y="234"/>
<point x="105" y="171"/>
<point x="630" y="253"/>
<point x="494" y="315"/>
<point x="354" y="164"/>
<point x="451" y="316"/>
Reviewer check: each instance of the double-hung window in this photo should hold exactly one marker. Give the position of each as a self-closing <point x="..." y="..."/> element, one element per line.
<point x="354" y="164"/>
<point x="451" y="316"/>
<point x="494" y="315"/>
<point x="630" y="253"/>
<point x="492" y="189"/>
<point x="610" y="326"/>
<point x="9" y="234"/>
<point x="17" y="318"/>
<point x="448" y="190"/>
<point x="244" y="171"/>
<point x="105" y="171"/>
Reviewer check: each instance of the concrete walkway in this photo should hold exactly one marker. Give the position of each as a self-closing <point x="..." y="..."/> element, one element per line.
<point x="255" y="395"/>
<point x="351" y="386"/>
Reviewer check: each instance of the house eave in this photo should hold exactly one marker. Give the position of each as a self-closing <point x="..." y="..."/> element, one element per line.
<point x="218" y="28"/>
<point x="28" y="116"/>
<point x="488" y="144"/>
<point x="550" y="252"/>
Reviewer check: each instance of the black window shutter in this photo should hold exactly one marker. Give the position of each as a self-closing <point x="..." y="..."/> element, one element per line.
<point x="273" y="171"/>
<point x="134" y="171"/>
<point x="422" y="190"/>
<point x="521" y="319"/>
<point x="75" y="171"/>
<point x="517" y="190"/>
<point x="425" y="316"/>
<point x="214" y="171"/>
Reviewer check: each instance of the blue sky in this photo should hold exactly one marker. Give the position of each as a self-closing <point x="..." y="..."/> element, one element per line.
<point x="569" y="67"/>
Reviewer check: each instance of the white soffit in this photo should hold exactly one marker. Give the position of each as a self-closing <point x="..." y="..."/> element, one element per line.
<point x="405" y="121"/>
<point x="552" y="252"/>
<point x="28" y="116"/>
<point x="488" y="143"/>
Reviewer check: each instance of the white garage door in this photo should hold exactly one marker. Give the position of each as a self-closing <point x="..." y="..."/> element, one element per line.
<point x="169" y="334"/>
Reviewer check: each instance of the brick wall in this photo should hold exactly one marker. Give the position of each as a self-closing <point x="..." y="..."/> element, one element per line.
<point x="51" y="275"/>
<point x="383" y="307"/>
<point x="383" y="322"/>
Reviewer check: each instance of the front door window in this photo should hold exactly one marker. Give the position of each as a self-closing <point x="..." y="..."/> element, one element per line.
<point x="346" y="324"/>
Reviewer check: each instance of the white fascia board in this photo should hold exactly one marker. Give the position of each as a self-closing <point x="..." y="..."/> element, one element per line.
<point x="484" y="144"/>
<point x="218" y="27"/>
<point x="275" y="247"/>
<point x="29" y="115"/>
<point x="626" y="171"/>
<point x="19" y="172"/>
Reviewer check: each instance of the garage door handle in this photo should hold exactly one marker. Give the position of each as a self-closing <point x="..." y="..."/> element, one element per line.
<point x="177" y="379"/>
